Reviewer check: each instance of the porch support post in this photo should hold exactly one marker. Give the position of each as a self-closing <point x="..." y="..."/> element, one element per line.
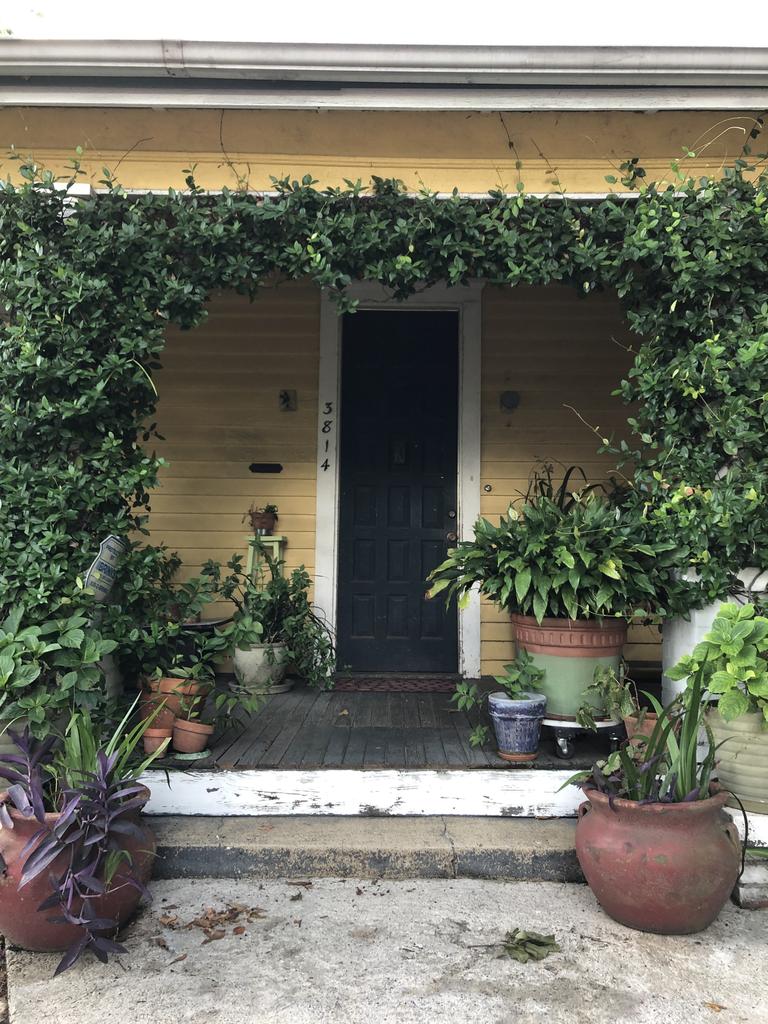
<point x="470" y="395"/>
<point x="327" y="508"/>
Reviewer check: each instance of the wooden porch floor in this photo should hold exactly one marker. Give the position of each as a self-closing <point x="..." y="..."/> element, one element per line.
<point x="308" y="729"/>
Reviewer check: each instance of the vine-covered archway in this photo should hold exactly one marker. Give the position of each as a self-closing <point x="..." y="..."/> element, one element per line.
<point x="89" y="285"/>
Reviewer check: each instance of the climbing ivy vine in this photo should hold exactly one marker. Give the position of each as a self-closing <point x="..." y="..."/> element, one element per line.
<point x="89" y="285"/>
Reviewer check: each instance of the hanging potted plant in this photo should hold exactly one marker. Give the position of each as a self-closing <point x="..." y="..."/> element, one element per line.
<point x="571" y="568"/>
<point x="516" y="711"/>
<point x="77" y="855"/>
<point x="652" y="838"/>
<point x="733" y="660"/>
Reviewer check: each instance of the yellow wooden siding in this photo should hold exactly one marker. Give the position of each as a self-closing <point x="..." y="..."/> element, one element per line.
<point x="469" y="150"/>
<point x="219" y="412"/>
<point x="556" y="349"/>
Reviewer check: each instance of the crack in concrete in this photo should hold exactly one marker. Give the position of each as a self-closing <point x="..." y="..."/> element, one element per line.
<point x="454" y="856"/>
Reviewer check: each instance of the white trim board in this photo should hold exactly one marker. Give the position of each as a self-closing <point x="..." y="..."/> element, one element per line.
<point x="525" y="793"/>
<point x="511" y="792"/>
<point x="467" y="301"/>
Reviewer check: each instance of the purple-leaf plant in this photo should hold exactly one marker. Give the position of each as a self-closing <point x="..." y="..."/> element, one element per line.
<point x="90" y="829"/>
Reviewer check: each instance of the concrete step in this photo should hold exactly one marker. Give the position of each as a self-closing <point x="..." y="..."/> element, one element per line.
<point x="313" y="846"/>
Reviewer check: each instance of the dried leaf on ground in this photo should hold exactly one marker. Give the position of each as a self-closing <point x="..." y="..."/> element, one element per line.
<point x="212" y="922"/>
<point x="303" y="882"/>
<point x="715" y="1007"/>
<point x="526" y="946"/>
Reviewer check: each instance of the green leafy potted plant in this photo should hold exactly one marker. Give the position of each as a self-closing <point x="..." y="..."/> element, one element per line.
<point x="733" y="660"/>
<point x="654" y="843"/>
<point x="617" y="694"/>
<point x="570" y="567"/>
<point x="292" y="633"/>
<point x="516" y="710"/>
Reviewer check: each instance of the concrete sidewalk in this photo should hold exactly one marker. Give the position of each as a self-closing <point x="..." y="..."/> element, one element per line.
<point x="334" y="951"/>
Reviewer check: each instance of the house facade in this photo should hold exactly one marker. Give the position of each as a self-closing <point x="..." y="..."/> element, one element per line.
<point x="382" y="435"/>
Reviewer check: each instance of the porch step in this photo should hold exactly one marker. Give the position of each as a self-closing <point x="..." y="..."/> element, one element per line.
<point x="302" y="847"/>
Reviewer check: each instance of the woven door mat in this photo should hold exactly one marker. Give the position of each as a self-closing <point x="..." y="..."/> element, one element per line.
<point x="395" y="684"/>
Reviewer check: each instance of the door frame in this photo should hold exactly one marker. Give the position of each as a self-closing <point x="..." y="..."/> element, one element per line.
<point x="466" y="300"/>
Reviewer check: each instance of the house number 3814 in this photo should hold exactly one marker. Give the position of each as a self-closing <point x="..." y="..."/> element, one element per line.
<point x="326" y="433"/>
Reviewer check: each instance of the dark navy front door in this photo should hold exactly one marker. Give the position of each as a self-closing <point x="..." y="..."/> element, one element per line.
<point x="398" y="466"/>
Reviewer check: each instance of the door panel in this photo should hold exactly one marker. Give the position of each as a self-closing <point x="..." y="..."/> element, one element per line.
<point x="398" y="489"/>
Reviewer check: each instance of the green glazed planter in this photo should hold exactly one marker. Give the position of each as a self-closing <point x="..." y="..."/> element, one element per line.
<point x="569" y="651"/>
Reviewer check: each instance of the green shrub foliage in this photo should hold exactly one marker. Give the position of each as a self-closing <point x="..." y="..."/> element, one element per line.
<point x="88" y="286"/>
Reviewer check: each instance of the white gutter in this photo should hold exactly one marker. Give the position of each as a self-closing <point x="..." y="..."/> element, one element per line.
<point x="321" y="62"/>
<point x="318" y="76"/>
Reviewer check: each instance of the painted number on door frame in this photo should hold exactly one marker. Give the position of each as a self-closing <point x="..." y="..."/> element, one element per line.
<point x="327" y="427"/>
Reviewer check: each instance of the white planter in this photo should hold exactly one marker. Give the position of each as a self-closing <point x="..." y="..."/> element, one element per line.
<point x="680" y="636"/>
<point x="262" y="668"/>
<point x="743" y="758"/>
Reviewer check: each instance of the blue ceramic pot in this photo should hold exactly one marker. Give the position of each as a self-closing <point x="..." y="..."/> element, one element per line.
<point x="517" y="724"/>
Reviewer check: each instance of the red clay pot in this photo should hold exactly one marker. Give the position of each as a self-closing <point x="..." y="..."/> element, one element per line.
<point x="637" y="726"/>
<point x="190" y="737"/>
<point x="665" y="868"/>
<point x="574" y="638"/>
<point x="23" y="924"/>
<point x="154" y="738"/>
<point x="176" y="692"/>
<point x="163" y="719"/>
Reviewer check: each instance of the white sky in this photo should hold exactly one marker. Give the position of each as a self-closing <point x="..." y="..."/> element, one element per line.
<point x="525" y="22"/>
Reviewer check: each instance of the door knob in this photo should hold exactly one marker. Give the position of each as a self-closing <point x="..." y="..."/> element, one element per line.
<point x="450" y="536"/>
<point x="451" y="513"/>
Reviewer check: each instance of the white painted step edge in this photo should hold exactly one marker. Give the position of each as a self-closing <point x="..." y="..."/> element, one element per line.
<point x="518" y="793"/>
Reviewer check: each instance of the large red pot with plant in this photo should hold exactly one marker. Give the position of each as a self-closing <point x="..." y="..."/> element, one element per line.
<point x="23" y="924"/>
<point x="659" y="867"/>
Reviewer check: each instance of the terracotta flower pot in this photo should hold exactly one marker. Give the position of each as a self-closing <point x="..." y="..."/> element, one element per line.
<point x="155" y="737"/>
<point x="23" y="924"/>
<point x="262" y="523"/>
<point x="569" y="651"/>
<point x="176" y="692"/>
<point x="164" y="718"/>
<point x="640" y="724"/>
<point x="665" y="868"/>
<point x="191" y="737"/>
